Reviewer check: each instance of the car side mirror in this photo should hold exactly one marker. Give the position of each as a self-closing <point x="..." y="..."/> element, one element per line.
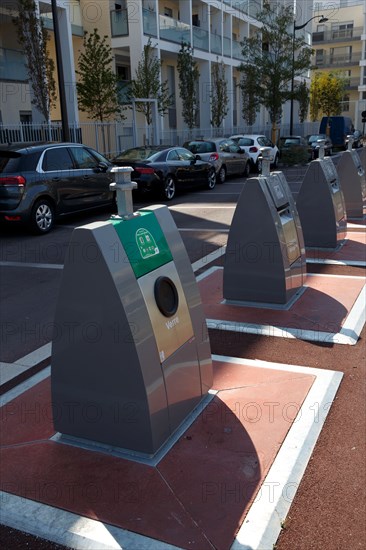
<point x="197" y="157"/>
<point x="102" y="167"/>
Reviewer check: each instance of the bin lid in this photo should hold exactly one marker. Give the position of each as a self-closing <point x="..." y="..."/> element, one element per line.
<point x="144" y="242"/>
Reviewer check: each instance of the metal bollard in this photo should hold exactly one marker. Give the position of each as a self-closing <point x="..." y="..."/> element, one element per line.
<point x="266" y="162"/>
<point x="123" y="187"/>
<point x="321" y="145"/>
<point x="349" y="141"/>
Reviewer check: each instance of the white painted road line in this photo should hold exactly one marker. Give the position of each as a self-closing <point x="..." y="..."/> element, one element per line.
<point x="30" y="264"/>
<point x="263" y="523"/>
<point x="8" y="371"/>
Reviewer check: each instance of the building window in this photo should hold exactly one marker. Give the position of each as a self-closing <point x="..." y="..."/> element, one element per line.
<point x="123" y="72"/>
<point x="25" y="117"/>
<point x="195" y="20"/>
<point x="319" y="57"/>
<point x="345" y="103"/>
<point x="168" y="12"/>
<point x="341" y="54"/>
<point x="342" y="30"/>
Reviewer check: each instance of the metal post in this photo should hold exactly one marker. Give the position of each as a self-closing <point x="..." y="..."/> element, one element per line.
<point x="349" y="141"/>
<point x="266" y="161"/>
<point x="123" y="187"/>
<point x="321" y="144"/>
<point x="60" y="72"/>
<point x="322" y="19"/>
<point x="292" y="82"/>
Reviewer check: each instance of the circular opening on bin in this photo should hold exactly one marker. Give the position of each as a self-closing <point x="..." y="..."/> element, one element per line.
<point x="166" y="296"/>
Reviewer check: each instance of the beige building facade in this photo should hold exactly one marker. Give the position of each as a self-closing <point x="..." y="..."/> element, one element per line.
<point x="213" y="27"/>
<point x="340" y="45"/>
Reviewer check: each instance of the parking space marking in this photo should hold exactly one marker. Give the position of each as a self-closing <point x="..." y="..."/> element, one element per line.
<point x="30" y="264"/>
<point x="198" y="207"/>
<point x="196" y="229"/>
<point x="208" y="259"/>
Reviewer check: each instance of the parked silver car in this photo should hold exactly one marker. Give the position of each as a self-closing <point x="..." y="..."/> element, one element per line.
<point x="225" y="155"/>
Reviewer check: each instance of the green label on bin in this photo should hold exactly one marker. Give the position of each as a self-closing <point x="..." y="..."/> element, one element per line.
<point x="144" y="242"/>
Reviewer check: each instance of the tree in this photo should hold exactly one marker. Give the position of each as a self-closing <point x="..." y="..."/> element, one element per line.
<point x="326" y="94"/>
<point x="33" y="38"/>
<point x="302" y="96"/>
<point x="188" y="79"/>
<point x="268" y="58"/>
<point x="250" y="100"/>
<point x="97" y="86"/>
<point x="219" y="96"/>
<point x="147" y="84"/>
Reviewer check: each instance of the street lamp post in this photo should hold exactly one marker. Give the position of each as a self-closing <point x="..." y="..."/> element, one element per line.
<point x="60" y="74"/>
<point x="322" y="19"/>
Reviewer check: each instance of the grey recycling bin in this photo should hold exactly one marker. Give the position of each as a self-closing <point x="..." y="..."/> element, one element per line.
<point x="130" y="355"/>
<point x="353" y="181"/>
<point x="265" y="256"/>
<point x="320" y="205"/>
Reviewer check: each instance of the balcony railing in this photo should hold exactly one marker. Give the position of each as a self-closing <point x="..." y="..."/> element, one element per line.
<point x="237" y="50"/>
<point x="119" y="22"/>
<point x="12" y="65"/>
<point x="338" y="35"/>
<point x="173" y="30"/>
<point x="352" y="83"/>
<point x="249" y="7"/>
<point x="345" y="59"/>
<point x="200" y="39"/>
<point x="227" y="46"/>
<point x="216" y="44"/>
<point x="149" y="23"/>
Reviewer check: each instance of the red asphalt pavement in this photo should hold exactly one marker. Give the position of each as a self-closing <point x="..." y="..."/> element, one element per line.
<point x="328" y="511"/>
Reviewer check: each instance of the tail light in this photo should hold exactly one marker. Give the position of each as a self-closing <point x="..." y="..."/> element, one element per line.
<point x="13" y="180"/>
<point x="253" y="150"/>
<point x="144" y="170"/>
<point x="213" y="157"/>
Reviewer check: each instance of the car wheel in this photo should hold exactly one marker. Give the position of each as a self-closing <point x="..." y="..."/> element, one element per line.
<point x="221" y="175"/>
<point x="246" y="170"/>
<point x="211" y="179"/>
<point x="169" y="189"/>
<point x="330" y="152"/>
<point x="42" y="216"/>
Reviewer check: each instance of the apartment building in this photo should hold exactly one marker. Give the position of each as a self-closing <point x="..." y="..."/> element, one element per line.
<point x="15" y="93"/>
<point x="340" y="45"/>
<point x="213" y="27"/>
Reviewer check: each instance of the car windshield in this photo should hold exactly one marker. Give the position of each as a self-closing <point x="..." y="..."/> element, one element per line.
<point x="139" y="153"/>
<point x="200" y="147"/>
<point x="289" y="141"/>
<point x="315" y="137"/>
<point x="244" y="141"/>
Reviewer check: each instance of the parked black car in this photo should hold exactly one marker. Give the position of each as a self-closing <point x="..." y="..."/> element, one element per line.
<point x="166" y="169"/>
<point x="314" y="145"/>
<point x="40" y="182"/>
<point x="358" y="139"/>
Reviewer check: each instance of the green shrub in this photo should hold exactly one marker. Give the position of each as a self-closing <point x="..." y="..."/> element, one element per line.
<point x="294" y="155"/>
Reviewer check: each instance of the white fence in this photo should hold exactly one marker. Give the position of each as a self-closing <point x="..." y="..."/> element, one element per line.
<point x="113" y="137"/>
